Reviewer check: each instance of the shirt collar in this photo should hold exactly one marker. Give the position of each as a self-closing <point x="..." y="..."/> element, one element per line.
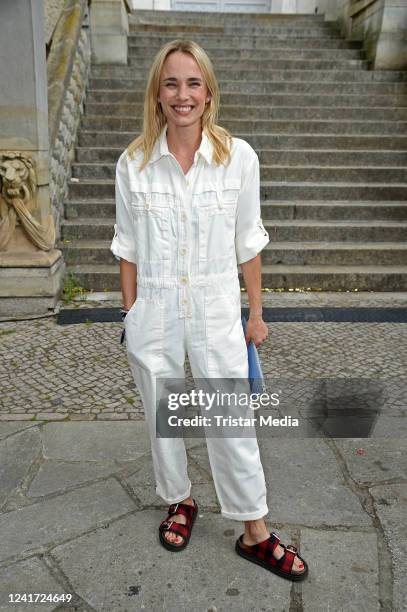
<point x="161" y="147"/>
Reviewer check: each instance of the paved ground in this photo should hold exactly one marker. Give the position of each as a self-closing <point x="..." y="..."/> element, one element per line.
<point x="78" y="511"/>
<point x="55" y="372"/>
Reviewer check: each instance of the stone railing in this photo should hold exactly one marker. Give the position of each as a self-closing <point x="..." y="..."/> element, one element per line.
<point x="380" y="24"/>
<point x="68" y="68"/>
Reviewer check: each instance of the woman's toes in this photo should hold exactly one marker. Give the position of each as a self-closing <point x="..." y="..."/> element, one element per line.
<point x="173" y="537"/>
<point x="298" y="565"/>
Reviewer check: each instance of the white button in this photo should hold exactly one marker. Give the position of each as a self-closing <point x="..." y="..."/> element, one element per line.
<point x="184" y="280"/>
<point x="183" y="217"/>
<point x="183" y="251"/>
<point x="185" y="301"/>
<point x="188" y="183"/>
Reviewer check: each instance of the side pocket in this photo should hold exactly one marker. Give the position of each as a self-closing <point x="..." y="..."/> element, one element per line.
<point x="226" y="346"/>
<point x="144" y="333"/>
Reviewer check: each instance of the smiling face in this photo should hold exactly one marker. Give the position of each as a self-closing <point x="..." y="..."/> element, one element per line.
<point x="183" y="92"/>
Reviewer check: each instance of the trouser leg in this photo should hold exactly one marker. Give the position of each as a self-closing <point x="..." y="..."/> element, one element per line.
<point x="216" y="348"/>
<point x="155" y="350"/>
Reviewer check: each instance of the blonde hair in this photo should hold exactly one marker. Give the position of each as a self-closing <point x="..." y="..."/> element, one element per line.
<point x="154" y="119"/>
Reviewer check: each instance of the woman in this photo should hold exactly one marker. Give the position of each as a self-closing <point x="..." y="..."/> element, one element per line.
<point x="187" y="212"/>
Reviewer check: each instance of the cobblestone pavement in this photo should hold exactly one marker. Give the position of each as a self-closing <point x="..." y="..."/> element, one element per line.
<point x="78" y="509"/>
<point x="55" y="372"/>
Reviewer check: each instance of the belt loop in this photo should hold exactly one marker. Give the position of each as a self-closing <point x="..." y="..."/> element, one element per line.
<point x="219" y="197"/>
<point x="147" y="201"/>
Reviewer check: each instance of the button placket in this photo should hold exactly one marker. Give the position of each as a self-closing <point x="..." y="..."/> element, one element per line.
<point x="219" y="197"/>
<point x="147" y="200"/>
<point x="184" y="230"/>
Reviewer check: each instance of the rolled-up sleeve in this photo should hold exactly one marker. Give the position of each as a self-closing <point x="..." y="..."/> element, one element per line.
<point x="251" y="236"/>
<point x="123" y="244"/>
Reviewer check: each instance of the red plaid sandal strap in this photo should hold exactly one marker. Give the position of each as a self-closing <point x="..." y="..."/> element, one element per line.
<point x="287" y="560"/>
<point x="263" y="554"/>
<point x="266" y="548"/>
<point x="182" y="530"/>
<point x="265" y="551"/>
<point x="184" y="509"/>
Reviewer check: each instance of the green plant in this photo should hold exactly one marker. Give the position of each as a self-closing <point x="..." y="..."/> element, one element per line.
<point x="72" y="288"/>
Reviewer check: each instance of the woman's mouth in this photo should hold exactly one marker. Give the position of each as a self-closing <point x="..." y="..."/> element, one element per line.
<point x="183" y="110"/>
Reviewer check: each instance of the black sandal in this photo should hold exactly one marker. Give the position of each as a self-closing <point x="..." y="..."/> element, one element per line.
<point x="190" y="513"/>
<point x="262" y="554"/>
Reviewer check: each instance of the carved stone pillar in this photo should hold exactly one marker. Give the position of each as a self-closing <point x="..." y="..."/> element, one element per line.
<point x="110" y="26"/>
<point x="31" y="269"/>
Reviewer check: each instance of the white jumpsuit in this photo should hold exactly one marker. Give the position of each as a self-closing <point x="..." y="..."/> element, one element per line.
<point x="187" y="233"/>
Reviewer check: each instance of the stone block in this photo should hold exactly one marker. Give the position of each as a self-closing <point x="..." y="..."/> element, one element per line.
<point x="125" y="567"/>
<point x="95" y="441"/>
<point x="61" y="518"/>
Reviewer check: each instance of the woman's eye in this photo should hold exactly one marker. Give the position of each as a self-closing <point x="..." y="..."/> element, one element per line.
<point x="192" y="84"/>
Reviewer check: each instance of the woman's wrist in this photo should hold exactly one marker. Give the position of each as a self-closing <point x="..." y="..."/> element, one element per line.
<point x="257" y="312"/>
<point x="127" y="304"/>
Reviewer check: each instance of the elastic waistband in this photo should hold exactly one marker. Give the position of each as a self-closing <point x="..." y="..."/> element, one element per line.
<point x="191" y="281"/>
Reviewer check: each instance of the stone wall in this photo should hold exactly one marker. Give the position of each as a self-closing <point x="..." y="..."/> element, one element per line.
<point x="68" y="72"/>
<point x="52" y="12"/>
<point x="382" y="25"/>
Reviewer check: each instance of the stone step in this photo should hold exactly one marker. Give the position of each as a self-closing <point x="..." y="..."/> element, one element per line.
<point x="234" y="111"/>
<point x="275" y="190"/>
<point x="268" y="86"/>
<point x="125" y="111"/>
<point x="334" y="253"/>
<point x="265" y="66"/>
<point x="107" y="156"/>
<point x="280" y="172"/>
<point x="286" y="253"/>
<point x="262" y="73"/>
<point x="232" y="34"/>
<point x="327" y="278"/>
<point x="135" y="55"/>
<point x="271" y="126"/>
<point x="338" y="210"/>
<point x="230" y="27"/>
<point x="275" y="141"/>
<point x="334" y="210"/>
<point x="260" y="99"/>
<point x="148" y="16"/>
<point x="242" y="28"/>
<point x="280" y="230"/>
<point x="303" y="160"/>
<point x="152" y="42"/>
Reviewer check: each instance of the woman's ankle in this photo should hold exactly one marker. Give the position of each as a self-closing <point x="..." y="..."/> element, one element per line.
<point x="255" y="527"/>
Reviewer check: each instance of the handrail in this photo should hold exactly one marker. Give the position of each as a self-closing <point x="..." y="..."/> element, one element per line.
<point x="60" y="61"/>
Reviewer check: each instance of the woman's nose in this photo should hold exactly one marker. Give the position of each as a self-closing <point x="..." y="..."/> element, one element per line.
<point x="183" y="91"/>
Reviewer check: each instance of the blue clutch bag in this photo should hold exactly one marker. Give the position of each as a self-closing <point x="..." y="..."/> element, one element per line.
<point x="256" y="380"/>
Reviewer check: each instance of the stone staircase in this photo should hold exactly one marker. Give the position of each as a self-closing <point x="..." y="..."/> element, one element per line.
<point x="330" y="134"/>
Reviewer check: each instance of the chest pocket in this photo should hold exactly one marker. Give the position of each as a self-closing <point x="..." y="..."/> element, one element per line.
<point x="152" y="205"/>
<point x="216" y="205"/>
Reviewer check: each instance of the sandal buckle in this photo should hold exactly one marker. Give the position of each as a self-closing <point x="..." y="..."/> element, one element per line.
<point x="168" y="523"/>
<point x="292" y="548"/>
<point x="173" y="508"/>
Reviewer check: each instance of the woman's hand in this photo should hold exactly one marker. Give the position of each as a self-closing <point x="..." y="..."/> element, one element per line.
<point x="256" y="330"/>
